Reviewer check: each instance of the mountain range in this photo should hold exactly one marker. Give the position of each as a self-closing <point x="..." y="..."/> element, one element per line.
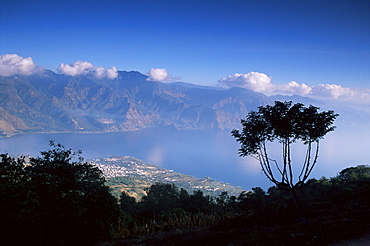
<point x="52" y="102"/>
<point x="57" y="103"/>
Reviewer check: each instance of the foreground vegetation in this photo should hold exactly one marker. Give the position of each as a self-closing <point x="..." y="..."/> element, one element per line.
<point x="54" y="199"/>
<point x="57" y="199"/>
<point x="331" y="209"/>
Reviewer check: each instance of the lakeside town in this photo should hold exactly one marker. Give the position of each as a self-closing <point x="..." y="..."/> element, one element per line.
<point x="115" y="167"/>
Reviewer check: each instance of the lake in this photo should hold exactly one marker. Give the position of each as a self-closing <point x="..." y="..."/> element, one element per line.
<point x="195" y="152"/>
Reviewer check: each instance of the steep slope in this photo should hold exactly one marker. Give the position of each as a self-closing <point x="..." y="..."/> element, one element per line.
<point x="57" y="103"/>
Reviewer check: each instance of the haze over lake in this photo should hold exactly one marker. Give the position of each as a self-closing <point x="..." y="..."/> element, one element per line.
<point x="198" y="152"/>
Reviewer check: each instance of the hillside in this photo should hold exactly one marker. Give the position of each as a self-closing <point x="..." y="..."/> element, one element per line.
<point x="53" y="102"/>
<point x="58" y="103"/>
<point x="333" y="212"/>
<point x="124" y="173"/>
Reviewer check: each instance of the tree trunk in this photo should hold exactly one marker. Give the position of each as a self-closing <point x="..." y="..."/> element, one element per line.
<point x="296" y="200"/>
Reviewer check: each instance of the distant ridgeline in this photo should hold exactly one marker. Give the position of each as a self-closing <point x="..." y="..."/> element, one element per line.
<point x="57" y="103"/>
<point x="51" y="102"/>
<point x="124" y="173"/>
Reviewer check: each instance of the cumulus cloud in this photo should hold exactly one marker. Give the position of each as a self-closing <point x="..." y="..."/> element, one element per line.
<point x="332" y="91"/>
<point x="159" y="74"/>
<point x="86" y="68"/>
<point x="12" y="64"/>
<point x="293" y="88"/>
<point x="112" y="73"/>
<point x="260" y="82"/>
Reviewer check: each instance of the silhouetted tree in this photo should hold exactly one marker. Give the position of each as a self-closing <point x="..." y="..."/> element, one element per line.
<point x="200" y="202"/>
<point x="160" y="197"/>
<point x="17" y="201"/>
<point x="61" y="199"/>
<point x="225" y="200"/>
<point x="127" y="203"/>
<point x="256" y="200"/>
<point x="353" y="184"/>
<point x="285" y="123"/>
<point x="354" y="173"/>
<point x="184" y="199"/>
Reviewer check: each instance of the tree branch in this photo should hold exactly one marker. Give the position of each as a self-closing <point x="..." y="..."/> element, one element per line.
<point x="306" y="161"/>
<point x="314" y="161"/>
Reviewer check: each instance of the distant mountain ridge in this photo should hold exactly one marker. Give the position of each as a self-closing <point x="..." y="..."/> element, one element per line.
<point x="53" y="102"/>
<point x="57" y="103"/>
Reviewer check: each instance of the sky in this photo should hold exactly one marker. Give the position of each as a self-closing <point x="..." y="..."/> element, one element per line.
<point x="309" y="47"/>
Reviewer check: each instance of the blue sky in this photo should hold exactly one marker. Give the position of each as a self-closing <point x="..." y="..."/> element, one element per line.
<point x="310" y="42"/>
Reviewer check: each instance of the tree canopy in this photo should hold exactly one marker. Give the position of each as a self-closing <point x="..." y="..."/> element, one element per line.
<point x="285" y="123"/>
<point x="54" y="199"/>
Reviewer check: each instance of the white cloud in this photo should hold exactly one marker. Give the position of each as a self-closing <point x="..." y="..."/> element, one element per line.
<point x="12" y="64"/>
<point x="112" y="73"/>
<point x="159" y="74"/>
<point x="86" y="68"/>
<point x="332" y="91"/>
<point x="293" y="88"/>
<point x="77" y="68"/>
<point x="260" y="82"/>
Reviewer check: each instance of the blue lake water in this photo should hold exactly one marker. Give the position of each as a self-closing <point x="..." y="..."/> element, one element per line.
<point x="194" y="152"/>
